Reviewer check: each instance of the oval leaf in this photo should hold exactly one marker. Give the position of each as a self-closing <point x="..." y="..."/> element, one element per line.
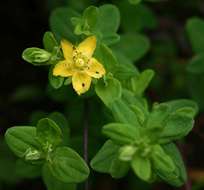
<point x="176" y="127"/>
<point x="106" y="161"/>
<point x="49" y="41"/>
<point x="142" y="167"/>
<point x="60" y="23"/>
<point x="162" y="162"/>
<point x="196" y="64"/>
<point x="179" y="177"/>
<point x="132" y="46"/>
<point x="48" y="132"/>
<point x="68" y="166"/>
<point x="123" y="113"/>
<point x="108" y="91"/>
<point x="195" y="30"/>
<point x="54" y="184"/>
<point x="20" y="139"/>
<point x="121" y="133"/>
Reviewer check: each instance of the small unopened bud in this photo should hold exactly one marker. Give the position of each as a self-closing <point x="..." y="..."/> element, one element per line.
<point x="36" y="55"/>
<point x="126" y="152"/>
<point x="32" y="154"/>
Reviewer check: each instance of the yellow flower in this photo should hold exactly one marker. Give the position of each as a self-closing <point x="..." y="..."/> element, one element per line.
<point x="79" y="64"/>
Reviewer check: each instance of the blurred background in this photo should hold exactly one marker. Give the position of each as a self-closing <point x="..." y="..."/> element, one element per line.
<point x="25" y="94"/>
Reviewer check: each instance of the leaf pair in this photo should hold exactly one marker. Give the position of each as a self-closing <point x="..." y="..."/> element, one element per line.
<point x="96" y="21"/>
<point x="41" y="145"/>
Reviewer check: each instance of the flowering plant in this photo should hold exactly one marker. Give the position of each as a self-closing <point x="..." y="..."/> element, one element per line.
<point x="91" y="70"/>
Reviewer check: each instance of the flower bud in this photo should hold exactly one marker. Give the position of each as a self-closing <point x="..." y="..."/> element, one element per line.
<point x="36" y="56"/>
<point x="32" y="154"/>
<point x="126" y="152"/>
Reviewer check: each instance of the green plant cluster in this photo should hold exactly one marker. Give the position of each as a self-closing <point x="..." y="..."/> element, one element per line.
<point x="140" y="136"/>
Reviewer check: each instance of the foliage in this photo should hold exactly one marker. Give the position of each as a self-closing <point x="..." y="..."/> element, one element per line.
<point x="139" y="134"/>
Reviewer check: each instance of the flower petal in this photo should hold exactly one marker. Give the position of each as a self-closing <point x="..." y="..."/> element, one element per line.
<point x="81" y="82"/>
<point x="95" y="69"/>
<point x="62" y="69"/>
<point x="67" y="49"/>
<point x="88" y="46"/>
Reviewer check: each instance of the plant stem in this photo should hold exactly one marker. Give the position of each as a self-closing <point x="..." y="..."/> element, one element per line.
<point x="188" y="185"/>
<point x="85" y="137"/>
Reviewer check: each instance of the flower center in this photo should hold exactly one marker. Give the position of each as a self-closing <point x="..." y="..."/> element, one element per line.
<point x="80" y="60"/>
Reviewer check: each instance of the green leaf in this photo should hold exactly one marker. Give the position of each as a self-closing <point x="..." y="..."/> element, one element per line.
<point x="124" y="70"/>
<point x="27" y="170"/>
<point x="103" y="159"/>
<point x="62" y="122"/>
<point x="176" y="127"/>
<point x="137" y="104"/>
<point x="106" y="161"/>
<point x="21" y="139"/>
<point x="162" y="162"/>
<point x="105" y="56"/>
<point x="106" y="27"/>
<point x="68" y="81"/>
<point x="179" y="177"/>
<point x="133" y="46"/>
<point x="7" y="164"/>
<point x="196" y="65"/>
<point x="135" y="2"/>
<point x="136" y="18"/>
<point x="49" y="41"/>
<point x="109" y="90"/>
<point x="95" y="21"/>
<point x="195" y="84"/>
<point x="68" y="167"/>
<point x="60" y="23"/>
<point x="195" y="30"/>
<point x="87" y="23"/>
<point x="111" y="39"/>
<point x="119" y="168"/>
<point x="142" y="167"/>
<point x="158" y="117"/>
<point x="90" y="16"/>
<point x="121" y="133"/>
<point x="53" y="183"/>
<point x="175" y="119"/>
<point x="138" y="84"/>
<point x="123" y="113"/>
<point x="36" y="56"/>
<point x="55" y="81"/>
<point x="106" y="12"/>
<point x="183" y="107"/>
<point x="48" y="133"/>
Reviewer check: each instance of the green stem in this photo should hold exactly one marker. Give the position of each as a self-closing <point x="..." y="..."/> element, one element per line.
<point x="85" y="138"/>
